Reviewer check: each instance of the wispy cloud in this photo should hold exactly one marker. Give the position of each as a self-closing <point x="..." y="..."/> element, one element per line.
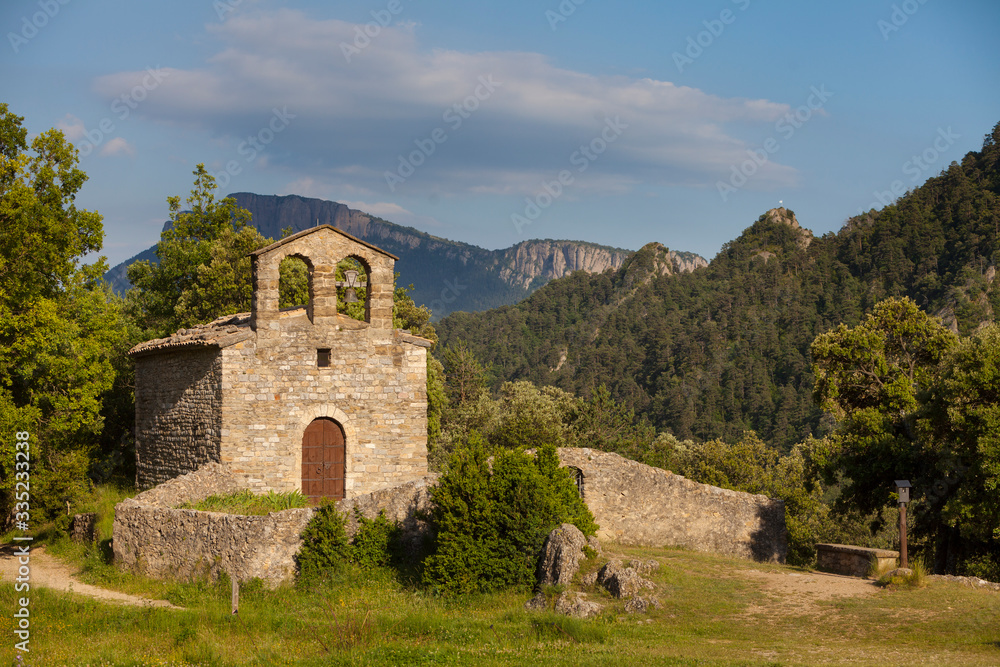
<point x="354" y="120"/>
<point x="117" y="146"/>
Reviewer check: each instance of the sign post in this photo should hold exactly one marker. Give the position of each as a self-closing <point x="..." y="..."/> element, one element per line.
<point x="903" y="488"/>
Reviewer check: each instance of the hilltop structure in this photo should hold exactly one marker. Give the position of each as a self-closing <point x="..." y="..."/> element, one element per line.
<point x="304" y="398"/>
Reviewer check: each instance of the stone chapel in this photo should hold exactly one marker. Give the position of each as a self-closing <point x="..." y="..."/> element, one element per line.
<point x="302" y="398"/>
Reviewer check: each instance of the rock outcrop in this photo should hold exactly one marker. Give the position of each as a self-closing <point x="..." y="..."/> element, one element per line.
<point x="531" y="263"/>
<point x="561" y="555"/>
<point x="622" y="581"/>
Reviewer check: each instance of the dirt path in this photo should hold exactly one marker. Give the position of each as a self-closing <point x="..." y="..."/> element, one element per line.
<point x="798" y="592"/>
<point x="49" y="572"/>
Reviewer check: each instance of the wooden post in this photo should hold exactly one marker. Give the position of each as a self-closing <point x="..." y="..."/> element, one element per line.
<point x="236" y="596"/>
<point x="902" y="535"/>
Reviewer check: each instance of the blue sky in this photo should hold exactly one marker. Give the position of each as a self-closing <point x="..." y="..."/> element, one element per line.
<point x="494" y="122"/>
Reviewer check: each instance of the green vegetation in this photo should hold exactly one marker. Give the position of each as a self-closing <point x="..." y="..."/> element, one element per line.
<point x="327" y="550"/>
<point x="60" y="329"/>
<point x="821" y="349"/>
<point x="248" y="503"/>
<point x="717" y="612"/>
<point x="492" y="510"/>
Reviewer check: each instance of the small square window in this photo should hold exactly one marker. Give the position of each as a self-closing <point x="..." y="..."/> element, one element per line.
<point x="323" y="358"/>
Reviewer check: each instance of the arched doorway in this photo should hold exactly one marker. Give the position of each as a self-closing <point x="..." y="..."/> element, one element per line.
<point x="323" y="460"/>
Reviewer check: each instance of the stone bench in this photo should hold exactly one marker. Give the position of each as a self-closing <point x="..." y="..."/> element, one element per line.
<point x="852" y="561"/>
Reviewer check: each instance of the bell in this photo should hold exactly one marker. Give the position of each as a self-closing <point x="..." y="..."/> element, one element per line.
<point x="351" y="296"/>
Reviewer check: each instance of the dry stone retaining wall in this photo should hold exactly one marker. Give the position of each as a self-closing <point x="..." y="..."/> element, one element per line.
<point x="153" y="538"/>
<point x="641" y="505"/>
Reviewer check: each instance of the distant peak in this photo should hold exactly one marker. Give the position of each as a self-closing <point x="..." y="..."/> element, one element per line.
<point x="783" y="216"/>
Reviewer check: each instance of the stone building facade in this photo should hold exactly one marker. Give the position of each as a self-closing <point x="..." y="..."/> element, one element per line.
<point x="302" y="398"/>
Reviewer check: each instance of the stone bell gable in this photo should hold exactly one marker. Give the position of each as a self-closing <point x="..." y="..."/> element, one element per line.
<point x="303" y="398"/>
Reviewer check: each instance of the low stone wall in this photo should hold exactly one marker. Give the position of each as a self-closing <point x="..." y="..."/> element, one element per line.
<point x="641" y="505"/>
<point x="852" y="561"/>
<point x="153" y="538"/>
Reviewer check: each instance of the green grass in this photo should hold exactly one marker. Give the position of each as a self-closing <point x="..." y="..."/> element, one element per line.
<point x="712" y="614"/>
<point x="247" y="503"/>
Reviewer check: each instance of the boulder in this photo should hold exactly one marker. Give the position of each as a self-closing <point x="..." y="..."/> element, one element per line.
<point x="537" y="603"/>
<point x="645" y="567"/>
<point x="84" y="528"/>
<point x="561" y="555"/>
<point x="621" y="581"/>
<point x="639" y="604"/>
<point x="577" y="605"/>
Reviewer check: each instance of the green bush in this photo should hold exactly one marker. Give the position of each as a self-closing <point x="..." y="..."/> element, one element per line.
<point x="492" y="512"/>
<point x="375" y="541"/>
<point x="324" y="542"/>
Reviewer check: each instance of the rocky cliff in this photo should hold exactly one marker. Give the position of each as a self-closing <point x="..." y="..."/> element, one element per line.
<point x="533" y="263"/>
<point x="446" y="275"/>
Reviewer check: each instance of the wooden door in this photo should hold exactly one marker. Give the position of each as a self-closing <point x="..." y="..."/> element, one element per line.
<point x="323" y="460"/>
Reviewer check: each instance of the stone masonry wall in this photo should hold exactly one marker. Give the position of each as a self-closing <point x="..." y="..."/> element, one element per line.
<point x="243" y="390"/>
<point x="178" y="411"/>
<point x="642" y="505"/>
<point x="375" y="387"/>
<point x="153" y="538"/>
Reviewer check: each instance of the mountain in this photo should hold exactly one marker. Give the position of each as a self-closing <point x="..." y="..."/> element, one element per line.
<point x="713" y="352"/>
<point x="447" y="275"/>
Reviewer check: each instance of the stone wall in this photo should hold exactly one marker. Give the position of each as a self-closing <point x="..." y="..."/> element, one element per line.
<point x="178" y="404"/>
<point x="242" y="390"/>
<point x="153" y="538"/>
<point x="642" y="505"/>
<point x="375" y="387"/>
<point x="853" y="561"/>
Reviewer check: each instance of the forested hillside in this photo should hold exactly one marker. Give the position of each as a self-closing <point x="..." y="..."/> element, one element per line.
<point x="726" y="348"/>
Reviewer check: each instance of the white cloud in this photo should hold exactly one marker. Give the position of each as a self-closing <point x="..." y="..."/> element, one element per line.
<point x="117" y="146"/>
<point x="71" y="126"/>
<point x="350" y="122"/>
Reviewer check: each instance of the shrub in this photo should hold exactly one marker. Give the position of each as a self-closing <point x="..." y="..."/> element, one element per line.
<point x="375" y="541"/>
<point x="492" y="514"/>
<point x="324" y="542"/>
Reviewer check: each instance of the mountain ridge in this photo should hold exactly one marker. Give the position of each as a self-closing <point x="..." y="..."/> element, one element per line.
<point x="447" y="275"/>
<point x="715" y="352"/>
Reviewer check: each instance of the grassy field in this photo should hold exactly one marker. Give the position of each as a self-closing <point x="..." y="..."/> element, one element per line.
<point x="715" y="611"/>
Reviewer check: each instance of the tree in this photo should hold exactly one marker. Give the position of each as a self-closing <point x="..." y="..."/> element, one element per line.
<point x="58" y="323"/>
<point x="871" y="377"/>
<point x="203" y="264"/>
<point x="960" y="429"/>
